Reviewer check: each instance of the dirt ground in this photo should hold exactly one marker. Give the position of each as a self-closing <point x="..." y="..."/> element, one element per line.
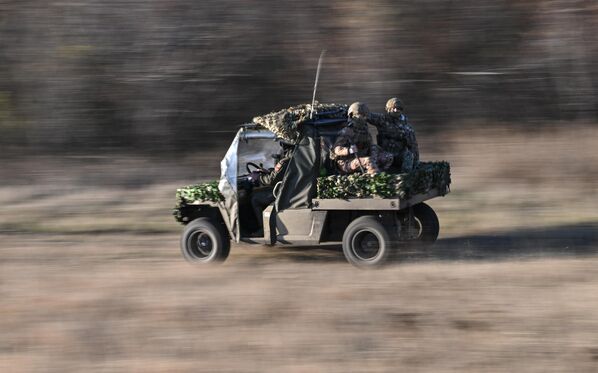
<point x="91" y="278"/>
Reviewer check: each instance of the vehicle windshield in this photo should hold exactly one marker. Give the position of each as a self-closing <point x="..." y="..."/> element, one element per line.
<point x="249" y="145"/>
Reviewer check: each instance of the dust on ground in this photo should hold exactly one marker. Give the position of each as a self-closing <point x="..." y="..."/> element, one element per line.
<point x="91" y="278"/>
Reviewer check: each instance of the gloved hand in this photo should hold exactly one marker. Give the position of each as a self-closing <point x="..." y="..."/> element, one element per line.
<point x="254" y="177"/>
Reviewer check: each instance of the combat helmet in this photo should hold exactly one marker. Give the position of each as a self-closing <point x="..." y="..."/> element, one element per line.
<point x="393" y="103"/>
<point x="358" y="108"/>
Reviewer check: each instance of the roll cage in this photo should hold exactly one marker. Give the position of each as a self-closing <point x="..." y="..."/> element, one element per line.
<point x="253" y="143"/>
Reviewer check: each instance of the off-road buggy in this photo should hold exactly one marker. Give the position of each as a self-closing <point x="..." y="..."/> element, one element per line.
<point x="373" y="216"/>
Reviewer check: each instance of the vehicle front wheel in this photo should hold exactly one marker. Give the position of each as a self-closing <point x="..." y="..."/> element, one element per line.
<point x="366" y="243"/>
<point x="204" y="242"/>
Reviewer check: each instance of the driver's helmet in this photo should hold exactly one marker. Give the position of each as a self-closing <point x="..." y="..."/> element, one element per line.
<point x="358" y="109"/>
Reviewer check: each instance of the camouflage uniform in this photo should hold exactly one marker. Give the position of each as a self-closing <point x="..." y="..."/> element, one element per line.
<point x="270" y="179"/>
<point x="396" y="136"/>
<point x="369" y="157"/>
<point x="263" y="197"/>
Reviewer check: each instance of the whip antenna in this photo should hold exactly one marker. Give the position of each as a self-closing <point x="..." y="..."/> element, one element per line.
<point x="313" y="99"/>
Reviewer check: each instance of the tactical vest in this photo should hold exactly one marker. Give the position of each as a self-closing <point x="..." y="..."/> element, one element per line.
<point x="361" y="139"/>
<point x="391" y="136"/>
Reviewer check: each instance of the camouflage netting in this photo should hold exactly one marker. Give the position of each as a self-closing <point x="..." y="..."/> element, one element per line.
<point x="285" y="123"/>
<point x="427" y="176"/>
<point x="205" y="192"/>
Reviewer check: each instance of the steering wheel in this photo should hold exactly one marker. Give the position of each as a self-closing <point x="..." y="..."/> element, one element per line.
<point x="257" y="168"/>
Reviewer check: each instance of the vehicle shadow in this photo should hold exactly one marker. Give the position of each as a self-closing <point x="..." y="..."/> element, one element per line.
<point x="557" y="241"/>
<point x="325" y="253"/>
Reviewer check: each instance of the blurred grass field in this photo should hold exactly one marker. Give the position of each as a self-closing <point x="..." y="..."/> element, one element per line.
<point x="501" y="180"/>
<point x="91" y="278"/>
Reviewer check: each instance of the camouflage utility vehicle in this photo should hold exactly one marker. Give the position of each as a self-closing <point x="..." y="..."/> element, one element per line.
<point x="372" y="216"/>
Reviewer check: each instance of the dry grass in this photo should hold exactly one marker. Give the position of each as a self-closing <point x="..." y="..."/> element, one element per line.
<point x="91" y="278"/>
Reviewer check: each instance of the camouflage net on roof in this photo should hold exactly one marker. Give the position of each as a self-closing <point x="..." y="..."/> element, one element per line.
<point x="285" y="123"/>
<point x="204" y="192"/>
<point x="427" y="176"/>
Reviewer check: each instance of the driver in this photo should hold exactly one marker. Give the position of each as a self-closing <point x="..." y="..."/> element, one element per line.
<point x="262" y="198"/>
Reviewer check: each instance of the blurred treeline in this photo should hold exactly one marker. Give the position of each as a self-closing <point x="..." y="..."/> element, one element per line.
<point x="171" y="75"/>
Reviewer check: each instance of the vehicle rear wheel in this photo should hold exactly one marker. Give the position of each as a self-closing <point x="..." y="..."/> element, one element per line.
<point x="366" y="243"/>
<point x="424" y="226"/>
<point x="204" y="242"/>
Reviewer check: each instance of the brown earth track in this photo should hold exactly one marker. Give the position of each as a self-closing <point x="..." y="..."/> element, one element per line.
<point x="122" y="302"/>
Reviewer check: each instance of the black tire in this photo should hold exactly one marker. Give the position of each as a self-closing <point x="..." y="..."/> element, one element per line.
<point x="425" y="225"/>
<point x="366" y="243"/>
<point x="203" y="241"/>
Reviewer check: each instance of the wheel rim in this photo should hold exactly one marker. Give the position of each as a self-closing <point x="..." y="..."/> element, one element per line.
<point x="365" y="245"/>
<point x="201" y="245"/>
<point x="414" y="230"/>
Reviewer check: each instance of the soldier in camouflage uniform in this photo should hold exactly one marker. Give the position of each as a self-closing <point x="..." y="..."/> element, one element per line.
<point x="263" y="197"/>
<point x="353" y="150"/>
<point x="396" y="136"/>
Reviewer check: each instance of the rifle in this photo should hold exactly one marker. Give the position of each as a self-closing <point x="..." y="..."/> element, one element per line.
<point x="356" y="156"/>
<point x="359" y="161"/>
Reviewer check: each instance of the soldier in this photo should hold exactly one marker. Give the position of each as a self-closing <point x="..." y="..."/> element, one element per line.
<point x="262" y="198"/>
<point x="353" y="150"/>
<point x="396" y="136"/>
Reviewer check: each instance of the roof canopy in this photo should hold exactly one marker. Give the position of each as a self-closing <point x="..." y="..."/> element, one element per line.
<point x="285" y="123"/>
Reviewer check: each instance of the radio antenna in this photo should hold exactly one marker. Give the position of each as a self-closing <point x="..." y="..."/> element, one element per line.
<point x="313" y="99"/>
